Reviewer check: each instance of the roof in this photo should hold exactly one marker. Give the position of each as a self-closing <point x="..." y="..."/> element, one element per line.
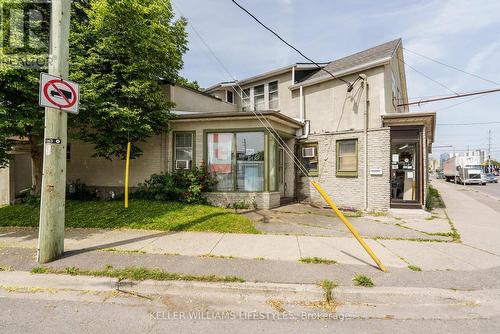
<point x="238" y="114"/>
<point x="379" y="52"/>
<point x="427" y="119"/>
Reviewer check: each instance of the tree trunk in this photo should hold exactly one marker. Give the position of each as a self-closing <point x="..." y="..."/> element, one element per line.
<point x="37" y="164"/>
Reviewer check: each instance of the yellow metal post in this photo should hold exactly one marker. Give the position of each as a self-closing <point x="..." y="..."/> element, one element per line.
<point x="127" y="164"/>
<point x="349" y="226"/>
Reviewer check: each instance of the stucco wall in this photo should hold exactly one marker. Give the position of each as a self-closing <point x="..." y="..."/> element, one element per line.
<point x="348" y="192"/>
<point x="189" y="100"/>
<point x="105" y="173"/>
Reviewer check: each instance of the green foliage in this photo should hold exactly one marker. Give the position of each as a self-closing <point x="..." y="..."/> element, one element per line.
<point x="414" y="268"/>
<point x="119" y="51"/>
<point x="328" y="287"/>
<point x="136" y="274"/>
<point x="316" y="260"/>
<point x="363" y="280"/>
<point x="432" y="199"/>
<point x="184" y="185"/>
<point x="141" y="214"/>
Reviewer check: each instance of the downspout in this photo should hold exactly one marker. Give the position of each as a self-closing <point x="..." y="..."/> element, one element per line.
<point x="302" y="116"/>
<point x="365" y="172"/>
<point x="301" y="109"/>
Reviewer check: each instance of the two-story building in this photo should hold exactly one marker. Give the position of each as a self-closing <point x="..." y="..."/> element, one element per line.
<point x="266" y="137"/>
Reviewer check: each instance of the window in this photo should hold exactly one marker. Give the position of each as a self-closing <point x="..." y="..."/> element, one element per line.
<point x="245" y="100"/>
<point x="250" y="161"/>
<point x="347" y="157"/>
<point x="220" y="159"/>
<point x="229" y="96"/>
<point x="237" y="160"/>
<point x="183" y="150"/>
<point x="309" y="155"/>
<point x="273" y="95"/>
<point x="259" y="98"/>
<point x="68" y="151"/>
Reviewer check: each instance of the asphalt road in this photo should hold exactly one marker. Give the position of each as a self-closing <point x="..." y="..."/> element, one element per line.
<point x="34" y="315"/>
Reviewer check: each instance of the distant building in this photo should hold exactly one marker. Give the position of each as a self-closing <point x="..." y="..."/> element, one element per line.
<point x="443" y="157"/>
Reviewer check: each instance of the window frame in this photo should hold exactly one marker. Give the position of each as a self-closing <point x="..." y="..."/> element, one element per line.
<point x="174" y="148"/>
<point x="227" y="96"/>
<point x="269" y="92"/>
<point x="246" y="99"/>
<point x="311" y="171"/>
<point x="346" y="173"/>
<point x="263" y="95"/>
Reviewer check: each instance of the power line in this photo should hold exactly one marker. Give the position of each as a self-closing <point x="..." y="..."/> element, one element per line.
<point x="290" y="45"/>
<point x="428" y="77"/>
<point x="457" y="104"/>
<point x="450" y="97"/>
<point x="453" y="67"/>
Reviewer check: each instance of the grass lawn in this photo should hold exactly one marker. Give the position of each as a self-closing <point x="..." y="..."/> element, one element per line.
<point x="141" y="214"/>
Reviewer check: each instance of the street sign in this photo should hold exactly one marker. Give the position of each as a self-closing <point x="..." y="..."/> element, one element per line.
<point x="58" y="93"/>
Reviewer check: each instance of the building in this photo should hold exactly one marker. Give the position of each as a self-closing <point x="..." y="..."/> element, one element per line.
<point x="347" y="131"/>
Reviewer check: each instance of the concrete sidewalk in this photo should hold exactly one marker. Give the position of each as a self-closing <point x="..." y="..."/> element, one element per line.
<point x="344" y="250"/>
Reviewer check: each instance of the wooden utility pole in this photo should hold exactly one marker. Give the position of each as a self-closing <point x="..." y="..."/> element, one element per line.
<point x="53" y="194"/>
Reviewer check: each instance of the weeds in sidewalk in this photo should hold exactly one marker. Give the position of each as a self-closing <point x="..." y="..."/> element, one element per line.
<point x="414" y="268"/>
<point x="216" y="256"/>
<point x="136" y="274"/>
<point x="123" y="250"/>
<point x="433" y="199"/>
<point x="5" y="268"/>
<point x="26" y="289"/>
<point x="328" y="287"/>
<point x="316" y="260"/>
<point x="363" y="280"/>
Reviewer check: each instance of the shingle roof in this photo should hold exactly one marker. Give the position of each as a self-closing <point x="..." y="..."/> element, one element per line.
<point x="370" y="55"/>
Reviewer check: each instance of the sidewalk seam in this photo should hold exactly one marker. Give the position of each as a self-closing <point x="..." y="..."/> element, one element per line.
<point x="298" y="245"/>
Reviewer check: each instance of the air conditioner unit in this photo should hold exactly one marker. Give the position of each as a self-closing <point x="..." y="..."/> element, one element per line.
<point x="182" y="164"/>
<point x="308" y="152"/>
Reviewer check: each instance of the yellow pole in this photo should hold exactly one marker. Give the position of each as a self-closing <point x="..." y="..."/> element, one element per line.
<point x="126" y="174"/>
<point x="349" y="226"/>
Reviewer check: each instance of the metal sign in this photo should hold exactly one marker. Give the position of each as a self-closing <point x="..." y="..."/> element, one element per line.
<point x="53" y="141"/>
<point x="58" y="93"/>
<point x="376" y="171"/>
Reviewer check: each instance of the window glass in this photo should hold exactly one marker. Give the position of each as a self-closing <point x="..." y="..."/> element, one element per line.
<point x="250" y="161"/>
<point x="183" y="146"/>
<point x="272" y="165"/>
<point x="347" y="156"/>
<point x="273" y="95"/>
<point x="229" y="96"/>
<point x="259" y="98"/>
<point x="245" y="99"/>
<point x="309" y="155"/>
<point x="219" y="159"/>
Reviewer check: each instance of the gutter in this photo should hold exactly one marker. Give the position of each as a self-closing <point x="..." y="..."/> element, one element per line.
<point x="367" y="102"/>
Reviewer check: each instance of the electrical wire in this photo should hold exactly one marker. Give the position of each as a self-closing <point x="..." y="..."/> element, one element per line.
<point x="478" y="123"/>
<point x="288" y="44"/>
<point x="269" y="127"/>
<point x="428" y="77"/>
<point x="452" y="67"/>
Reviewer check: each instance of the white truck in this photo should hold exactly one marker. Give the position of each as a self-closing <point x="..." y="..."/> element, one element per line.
<point x="465" y="170"/>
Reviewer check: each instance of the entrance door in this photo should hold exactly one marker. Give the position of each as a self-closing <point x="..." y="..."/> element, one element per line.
<point x="405" y="183"/>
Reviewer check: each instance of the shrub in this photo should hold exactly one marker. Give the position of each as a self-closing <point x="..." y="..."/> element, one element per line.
<point x="185" y="185"/>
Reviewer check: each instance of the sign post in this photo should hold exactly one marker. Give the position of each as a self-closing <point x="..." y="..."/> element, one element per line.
<point x="52" y="205"/>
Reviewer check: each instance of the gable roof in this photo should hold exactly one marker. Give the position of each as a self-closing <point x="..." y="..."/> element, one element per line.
<point x="372" y="55"/>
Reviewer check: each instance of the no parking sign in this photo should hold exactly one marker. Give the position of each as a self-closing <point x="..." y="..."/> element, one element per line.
<point x="58" y="93"/>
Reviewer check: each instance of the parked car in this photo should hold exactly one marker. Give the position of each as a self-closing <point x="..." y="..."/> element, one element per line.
<point x="439" y="174"/>
<point x="491" y="178"/>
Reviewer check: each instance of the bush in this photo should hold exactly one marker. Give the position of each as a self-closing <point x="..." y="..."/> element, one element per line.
<point x="185" y="185"/>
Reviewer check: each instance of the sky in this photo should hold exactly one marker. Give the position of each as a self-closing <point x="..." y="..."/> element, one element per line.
<point x="461" y="33"/>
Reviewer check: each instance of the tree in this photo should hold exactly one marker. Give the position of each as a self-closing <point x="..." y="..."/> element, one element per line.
<point x="119" y="49"/>
<point x="119" y="52"/>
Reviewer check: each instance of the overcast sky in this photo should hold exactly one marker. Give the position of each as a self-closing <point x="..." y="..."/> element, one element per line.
<point x="462" y="33"/>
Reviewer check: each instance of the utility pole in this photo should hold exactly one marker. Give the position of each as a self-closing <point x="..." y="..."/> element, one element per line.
<point x="489" y="151"/>
<point x="52" y="206"/>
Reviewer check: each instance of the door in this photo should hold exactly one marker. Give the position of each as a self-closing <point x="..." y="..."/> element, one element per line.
<point x="405" y="183"/>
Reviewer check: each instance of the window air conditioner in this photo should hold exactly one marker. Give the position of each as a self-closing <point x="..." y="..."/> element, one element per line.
<point x="182" y="164"/>
<point x="308" y="152"/>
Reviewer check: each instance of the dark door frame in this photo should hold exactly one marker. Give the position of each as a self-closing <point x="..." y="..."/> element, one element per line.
<point x="409" y="134"/>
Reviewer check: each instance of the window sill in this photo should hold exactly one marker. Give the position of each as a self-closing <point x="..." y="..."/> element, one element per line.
<point x="346" y="174"/>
